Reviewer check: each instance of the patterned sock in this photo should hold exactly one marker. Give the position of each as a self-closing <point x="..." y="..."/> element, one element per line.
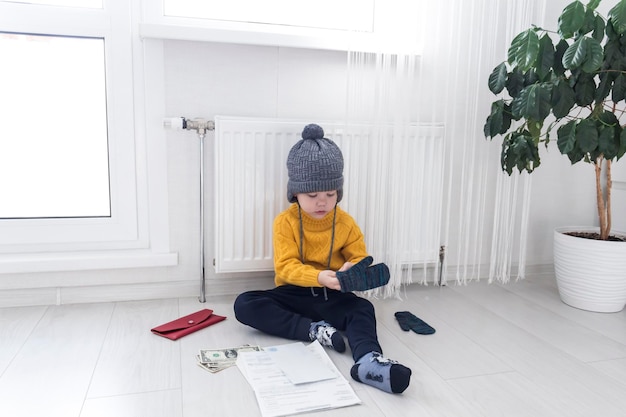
<point x="327" y="335"/>
<point x="382" y="373"/>
<point x="408" y="321"/>
<point x="362" y="277"/>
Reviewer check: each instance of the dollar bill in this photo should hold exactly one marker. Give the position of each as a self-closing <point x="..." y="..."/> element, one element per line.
<point x="213" y="368"/>
<point x="215" y="360"/>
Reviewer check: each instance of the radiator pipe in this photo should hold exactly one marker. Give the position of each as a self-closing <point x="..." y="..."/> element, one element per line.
<point x="442" y="257"/>
<point x="200" y="126"/>
<point x="201" y="135"/>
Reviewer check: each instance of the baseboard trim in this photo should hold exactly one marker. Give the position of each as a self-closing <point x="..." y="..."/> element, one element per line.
<point x="84" y="261"/>
<point x="161" y="288"/>
<point x="128" y="292"/>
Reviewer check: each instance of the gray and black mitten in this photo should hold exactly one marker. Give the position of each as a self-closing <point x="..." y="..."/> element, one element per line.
<point x="408" y="321"/>
<point x="363" y="277"/>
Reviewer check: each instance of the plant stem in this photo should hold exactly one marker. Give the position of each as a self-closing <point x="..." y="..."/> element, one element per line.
<point x="609" y="185"/>
<point x="600" y="198"/>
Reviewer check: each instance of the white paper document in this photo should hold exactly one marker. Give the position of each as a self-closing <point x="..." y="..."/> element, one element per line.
<point x="275" y="392"/>
<point x="299" y="364"/>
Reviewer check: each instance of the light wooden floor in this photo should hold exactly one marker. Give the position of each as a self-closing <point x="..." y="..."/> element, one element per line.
<point x="512" y="350"/>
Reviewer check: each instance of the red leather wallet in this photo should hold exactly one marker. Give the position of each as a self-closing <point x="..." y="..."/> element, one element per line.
<point x="183" y="326"/>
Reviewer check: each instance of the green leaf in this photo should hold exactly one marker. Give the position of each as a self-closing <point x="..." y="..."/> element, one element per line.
<point x="504" y="155"/>
<point x="593" y="4"/>
<point x="618" y="92"/>
<point x="507" y="117"/>
<point x="560" y="49"/>
<point x="515" y="83"/>
<point x="563" y="99"/>
<point x="612" y="53"/>
<point x="523" y="50"/>
<point x="497" y="79"/>
<point x="575" y="54"/>
<point x="622" y="145"/>
<point x="531" y="77"/>
<point x="608" y="118"/>
<point x="608" y="143"/>
<point x="609" y="135"/>
<point x="576" y="155"/>
<point x="533" y="102"/>
<point x="519" y="151"/>
<point x="584" y="89"/>
<point x="594" y="56"/>
<point x="587" y="135"/>
<point x="572" y="19"/>
<point x="604" y="88"/>
<point x="499" y="121"/>
<point x="585" y="53"/>
<point x="610" y="30"/>
<point x="531" y="156"/>
<point x="617" y="15"/>
<point x="598" y="31"/>
<point x="487" y="128"/>
<point x="566" y="140"/>
<point x="545" y="57"/>
<point x="589" y="23"/>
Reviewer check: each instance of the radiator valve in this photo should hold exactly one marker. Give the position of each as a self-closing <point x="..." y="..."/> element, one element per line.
<point x="199" y="125"/>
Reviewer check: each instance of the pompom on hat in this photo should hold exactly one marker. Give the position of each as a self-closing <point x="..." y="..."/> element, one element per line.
<point x="314" y="164"/>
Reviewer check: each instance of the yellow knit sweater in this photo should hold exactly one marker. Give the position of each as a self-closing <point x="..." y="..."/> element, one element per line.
<point x="349" y="245"/>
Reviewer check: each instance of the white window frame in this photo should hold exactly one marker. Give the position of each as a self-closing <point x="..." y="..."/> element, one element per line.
<point x="320" y="14"/>
<point x="395" y="28"/>
<point x="136" y="234"/>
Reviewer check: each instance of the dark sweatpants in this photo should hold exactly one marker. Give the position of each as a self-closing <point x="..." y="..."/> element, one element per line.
<point x="288" y="311"/>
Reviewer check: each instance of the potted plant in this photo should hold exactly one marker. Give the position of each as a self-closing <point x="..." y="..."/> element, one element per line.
<point x="572" y="81"/>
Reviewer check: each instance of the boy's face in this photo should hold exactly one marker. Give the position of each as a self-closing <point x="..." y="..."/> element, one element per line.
<point x="318" y="204"/>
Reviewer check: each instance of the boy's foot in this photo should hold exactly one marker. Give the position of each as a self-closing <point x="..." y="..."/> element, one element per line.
<point x="327" y="335"/>
<point x="385" y="374"/>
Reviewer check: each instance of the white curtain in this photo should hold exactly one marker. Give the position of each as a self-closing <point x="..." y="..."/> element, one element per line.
<point x="484" y="213"/>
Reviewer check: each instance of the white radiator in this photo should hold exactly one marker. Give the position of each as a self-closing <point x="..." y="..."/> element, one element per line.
<point x="393" y="187"/>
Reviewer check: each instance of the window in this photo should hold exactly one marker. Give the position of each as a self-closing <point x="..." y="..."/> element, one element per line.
<point x="74" y="192"/>
<point x="53" y="144"/>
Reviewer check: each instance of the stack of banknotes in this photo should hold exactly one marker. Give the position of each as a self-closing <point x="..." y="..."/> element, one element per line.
<point x="215" y="360"/>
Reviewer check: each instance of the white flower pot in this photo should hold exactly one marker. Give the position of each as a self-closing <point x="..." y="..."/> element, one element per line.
<point x="590" y="274"/>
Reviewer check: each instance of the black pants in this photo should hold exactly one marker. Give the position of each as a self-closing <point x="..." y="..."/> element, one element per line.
<point x="288" y="311"/>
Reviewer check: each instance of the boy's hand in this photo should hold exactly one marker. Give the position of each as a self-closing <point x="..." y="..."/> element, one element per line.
<point x="329" y="279"/>
<point x="346" y="266"/>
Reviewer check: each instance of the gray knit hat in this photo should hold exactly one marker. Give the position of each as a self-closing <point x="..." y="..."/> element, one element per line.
<point x="314" y="164"/>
